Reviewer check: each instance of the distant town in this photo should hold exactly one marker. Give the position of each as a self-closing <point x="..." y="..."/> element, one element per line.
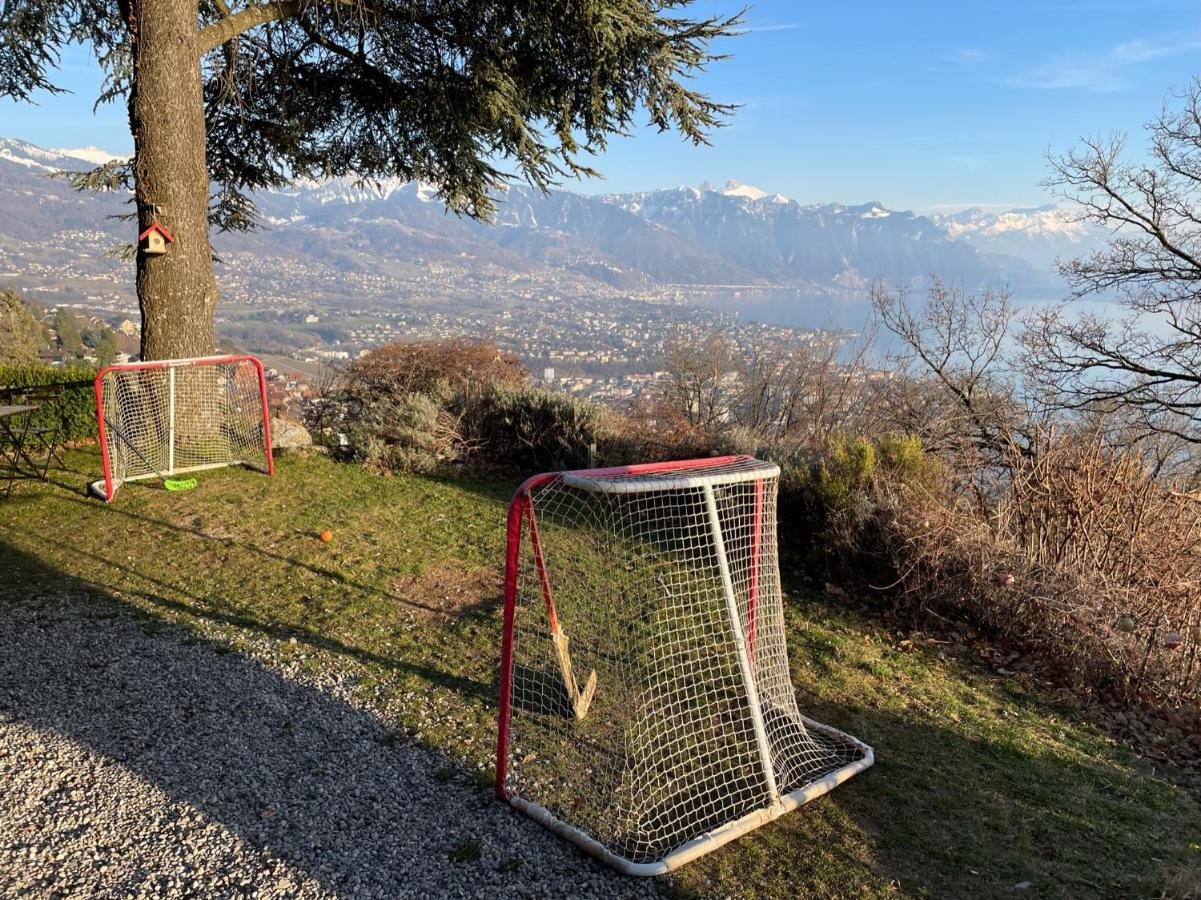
<point x="576" y="335"/>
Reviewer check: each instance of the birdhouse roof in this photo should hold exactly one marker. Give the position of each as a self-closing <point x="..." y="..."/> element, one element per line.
<point x="155" y="226"/>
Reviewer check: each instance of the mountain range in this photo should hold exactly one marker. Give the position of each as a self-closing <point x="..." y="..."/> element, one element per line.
<point x="736" y="235"/>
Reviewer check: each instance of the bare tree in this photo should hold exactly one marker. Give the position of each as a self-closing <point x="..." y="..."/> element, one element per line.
<point x="1146" y="365"/>
<point x="955" y="387"/>
<point x="800" y="396"/>
<point x="700" y="380"/>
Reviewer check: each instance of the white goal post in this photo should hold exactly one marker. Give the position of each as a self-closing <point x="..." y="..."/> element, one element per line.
<point x="647" y="711"/>
<point x="173" y="416"/>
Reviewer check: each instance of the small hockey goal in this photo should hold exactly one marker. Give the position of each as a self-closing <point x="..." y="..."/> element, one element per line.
<point x="169" y="417"/>
<point x="647" y="711"/>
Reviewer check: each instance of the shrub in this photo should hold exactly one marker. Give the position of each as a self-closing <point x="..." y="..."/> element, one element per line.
<point x="531" y="428"/>
<point x="1078" y="552"/>
<point x="828" y="501"/>
<point x="845" y="470"/>
<point x="1084" y="557"/>
<point x="842" y="473"/>
<point x="22" y="335"/>
<point x="76" y="414"/>
<point x="402" y="458"/>
<point x="903" y="455"/>
<point x="420" y="407"/>
<point x="738" y="441"/>
<point x="427" y="367"/>
<point x="407" y="432"/>
<point x="412" y="433"/>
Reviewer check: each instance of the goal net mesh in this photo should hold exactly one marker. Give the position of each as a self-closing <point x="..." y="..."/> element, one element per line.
<point x="182" y="416"/>
<point x="668" y="588"/>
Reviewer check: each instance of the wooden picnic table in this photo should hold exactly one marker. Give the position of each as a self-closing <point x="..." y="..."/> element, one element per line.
<point x="12" y="446"/>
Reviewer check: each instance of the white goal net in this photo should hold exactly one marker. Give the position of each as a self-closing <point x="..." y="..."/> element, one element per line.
<point x="647" y="710"/>
<point x="170" y="417"/>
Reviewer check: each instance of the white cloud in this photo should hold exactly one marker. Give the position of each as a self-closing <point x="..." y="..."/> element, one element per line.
<point x="1100" y="73"/>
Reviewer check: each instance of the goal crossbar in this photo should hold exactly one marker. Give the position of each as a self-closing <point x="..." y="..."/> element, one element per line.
<point x="666" y="576"/>
<point x="170" y="417"/>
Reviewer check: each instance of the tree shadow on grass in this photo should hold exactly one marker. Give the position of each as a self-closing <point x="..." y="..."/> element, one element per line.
<point x="334" y="576"/>
<point x="77" y="493"/>
<point x="161" y="599"/>
<point x="982" y="806"/>
<point x="302" y="786"/>
<point x="481" y="605"/>
<point x="320" y="791"/>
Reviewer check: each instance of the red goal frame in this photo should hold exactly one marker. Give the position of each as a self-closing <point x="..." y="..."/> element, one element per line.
<point x="110" y="488"/>
<point x="797" y="759"/>
<point x="521" y="509"/>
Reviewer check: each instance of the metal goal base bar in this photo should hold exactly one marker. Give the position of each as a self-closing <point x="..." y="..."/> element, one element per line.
<point x="98" y="488"/>
<point x="719" y="837"/>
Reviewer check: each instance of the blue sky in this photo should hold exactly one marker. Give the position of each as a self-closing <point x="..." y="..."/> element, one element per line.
<point x="919" y="104"/>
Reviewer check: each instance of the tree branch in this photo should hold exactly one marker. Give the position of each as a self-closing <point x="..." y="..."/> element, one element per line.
<point x="213" y="36"/>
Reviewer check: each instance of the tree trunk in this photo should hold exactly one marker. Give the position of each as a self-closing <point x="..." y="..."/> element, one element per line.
<point x="177" y="292"/>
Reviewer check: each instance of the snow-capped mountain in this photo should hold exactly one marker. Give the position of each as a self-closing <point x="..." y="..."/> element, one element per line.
<point x="782" y="241"/>
<point x="1039" y="221"/>
<point x="737" y="234"/>
<point x="347" y="190"/>
<point x="734" y="189"/>
<point x="36" y="158"/>
<point x="35" y="207"/>
<point x="1038" y="235"/>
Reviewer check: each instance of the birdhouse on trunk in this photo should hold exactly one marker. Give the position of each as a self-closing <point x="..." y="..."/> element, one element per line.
<point x="154" y="240"/>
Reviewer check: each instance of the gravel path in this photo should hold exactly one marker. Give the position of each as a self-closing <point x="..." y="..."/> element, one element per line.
<point x="140" y="760"/>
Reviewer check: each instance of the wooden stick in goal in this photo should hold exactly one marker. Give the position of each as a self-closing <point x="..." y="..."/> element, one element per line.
<point x="580" y="700"/>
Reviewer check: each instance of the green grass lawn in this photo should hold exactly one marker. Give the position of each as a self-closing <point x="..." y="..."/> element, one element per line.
<point x="979" y="785"/>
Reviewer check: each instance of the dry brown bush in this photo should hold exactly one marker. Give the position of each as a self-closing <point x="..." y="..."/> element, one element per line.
<point x="1084" y="555"/>
<point x="422" y="366"/>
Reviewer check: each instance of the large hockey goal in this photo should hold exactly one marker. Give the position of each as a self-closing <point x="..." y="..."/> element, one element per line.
<point x="647" y="712"/>
<point x="169" y="417"/>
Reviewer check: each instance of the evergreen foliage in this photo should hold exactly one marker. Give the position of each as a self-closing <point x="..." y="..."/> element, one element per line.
<point x="463" y="94"/>
<point x="21" y="334"/>
<point x="66" y="329"/>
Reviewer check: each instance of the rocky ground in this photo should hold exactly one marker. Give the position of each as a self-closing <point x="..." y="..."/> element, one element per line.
<point x="139" y="759"/>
